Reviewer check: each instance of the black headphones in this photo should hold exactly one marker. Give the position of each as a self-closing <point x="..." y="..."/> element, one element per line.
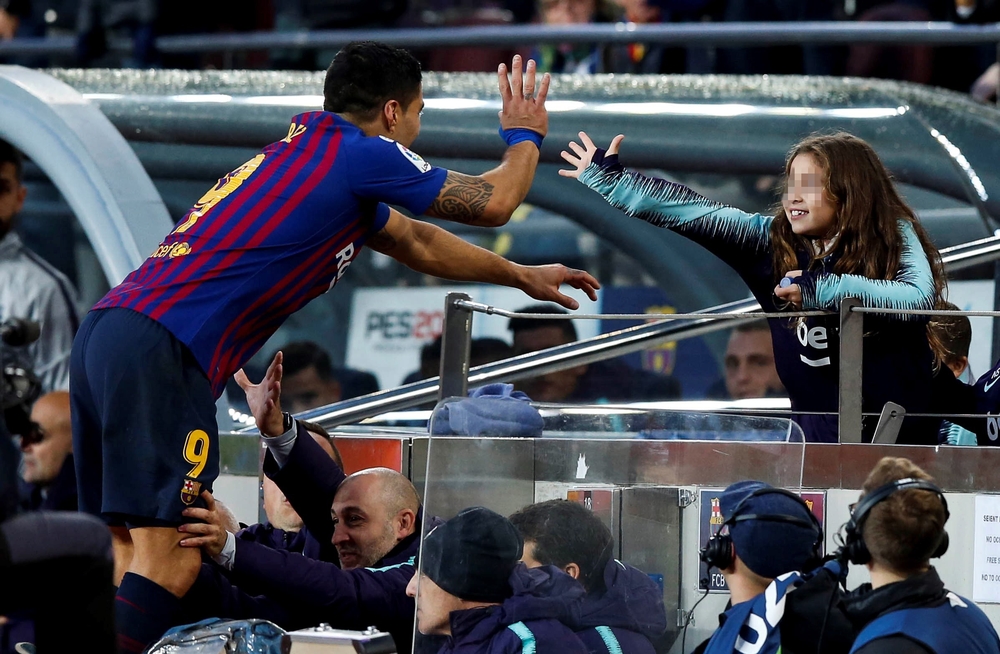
<point x="719" y="551"/>
<point x="854" y="548"/>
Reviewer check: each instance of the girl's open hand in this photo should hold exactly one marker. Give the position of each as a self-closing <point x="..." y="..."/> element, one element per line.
<point x="582" y="155"/>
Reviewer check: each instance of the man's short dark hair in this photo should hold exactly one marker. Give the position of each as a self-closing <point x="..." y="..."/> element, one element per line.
<point x="565" y="532"/>
<point x="755" y="326"/>
<point x="365" y="75"/>
<point x="523" y="324"/>
<point x="302" y="355"/>
<point x="10" y="154"/>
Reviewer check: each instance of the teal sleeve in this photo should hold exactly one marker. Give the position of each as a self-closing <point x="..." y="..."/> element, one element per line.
<point x="912" y="287"/>
<point x="676" y="207"/>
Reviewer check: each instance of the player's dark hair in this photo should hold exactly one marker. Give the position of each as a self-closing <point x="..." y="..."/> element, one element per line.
<point x="318" y="429"/>
<point x="302" y="355"/>
<point x="521" y="324"/>
<point x="565" y="532"/>
<point x="365" y="75"/>
<point x="10" y="154"/>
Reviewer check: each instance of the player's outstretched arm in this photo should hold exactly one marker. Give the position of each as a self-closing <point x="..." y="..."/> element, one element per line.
<point x="489" y="199"/>
<point x="431" y="250"/>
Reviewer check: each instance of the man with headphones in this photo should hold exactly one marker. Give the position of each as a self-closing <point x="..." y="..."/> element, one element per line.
<point x="769" y="545"/>
<point x="896" y="528"/>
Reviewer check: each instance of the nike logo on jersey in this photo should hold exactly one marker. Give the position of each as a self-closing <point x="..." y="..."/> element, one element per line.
<point x="990" y="383"/>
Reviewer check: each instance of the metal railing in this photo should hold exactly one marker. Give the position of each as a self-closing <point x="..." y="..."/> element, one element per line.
<point x="717" y="34"/>
<point x="597" y="348"/>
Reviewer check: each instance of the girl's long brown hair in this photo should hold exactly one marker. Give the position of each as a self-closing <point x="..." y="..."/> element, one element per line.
<point x="868" y="240"/>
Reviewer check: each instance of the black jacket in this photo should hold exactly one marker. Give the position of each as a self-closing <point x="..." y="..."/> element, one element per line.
<point x="60" y="495"/>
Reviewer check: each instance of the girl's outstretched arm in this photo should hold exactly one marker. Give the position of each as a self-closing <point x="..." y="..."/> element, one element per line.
<point x="717" y="226"/>
<point x="912" y="288"/>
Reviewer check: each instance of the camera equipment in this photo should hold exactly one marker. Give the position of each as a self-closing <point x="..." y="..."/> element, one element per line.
<point x="19" y="388"/>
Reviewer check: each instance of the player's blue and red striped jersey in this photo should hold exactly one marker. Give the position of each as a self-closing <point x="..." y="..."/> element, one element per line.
<point x="272" y="235"/>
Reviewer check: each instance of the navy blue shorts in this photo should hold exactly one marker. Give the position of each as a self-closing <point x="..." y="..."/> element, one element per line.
<point x="145" y="437"/>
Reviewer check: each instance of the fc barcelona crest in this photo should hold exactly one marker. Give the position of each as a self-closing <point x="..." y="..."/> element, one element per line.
<point x="190" y="491"/>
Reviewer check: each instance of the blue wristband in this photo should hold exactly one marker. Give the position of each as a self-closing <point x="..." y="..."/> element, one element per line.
<point x="519" y="134"/>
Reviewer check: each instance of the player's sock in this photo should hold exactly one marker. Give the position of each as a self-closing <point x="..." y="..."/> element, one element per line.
<point x="143" y="611"/>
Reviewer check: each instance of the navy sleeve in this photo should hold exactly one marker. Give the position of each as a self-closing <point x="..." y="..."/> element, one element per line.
<point x="382" y="169"/>
<point x="348" y="599"/>
<point x="309" y="479"/>
<point x="215" y="596"/>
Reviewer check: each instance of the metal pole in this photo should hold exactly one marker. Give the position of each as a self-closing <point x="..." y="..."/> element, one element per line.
<point x="456" y="341"/>
<point x="851" y="354"/>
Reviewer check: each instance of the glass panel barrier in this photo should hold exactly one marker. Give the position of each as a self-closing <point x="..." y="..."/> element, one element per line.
<point x="642" y="490"/>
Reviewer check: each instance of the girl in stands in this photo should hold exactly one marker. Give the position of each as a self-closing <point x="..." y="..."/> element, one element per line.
<point x="842" y="231"/>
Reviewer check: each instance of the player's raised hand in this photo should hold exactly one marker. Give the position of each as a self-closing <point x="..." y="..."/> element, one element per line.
<point x="523" y="101"/>
<point x="582" y="155"/>
<point x="210" y="534"/>
<point x="264" y="399"/>
<point x="543" y="282"/>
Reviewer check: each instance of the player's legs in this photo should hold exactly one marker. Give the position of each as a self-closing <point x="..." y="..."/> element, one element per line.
<point x="159" y="449"/>
<point x="160" y="559"/>
<point x="121" y="542"/>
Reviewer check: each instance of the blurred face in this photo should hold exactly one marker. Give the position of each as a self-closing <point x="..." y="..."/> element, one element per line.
<point x="307" y="390"/>
<point x="434" y="606"/>
<point x="45" y="450"/>
<point x="567" y="12"/>
<point x="807" y="205"/>
<point x="12" y="195"/>
<point x="365" y="532"/>
<point x="640" y="11"/>
<point x="407" y="126"/>
<point x="555" y="386"/>
<point x="279" y="512"/>
<point x="749" y="363"/>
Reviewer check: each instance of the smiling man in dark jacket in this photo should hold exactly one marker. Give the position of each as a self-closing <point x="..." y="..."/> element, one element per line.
<point x="472" y="589"/>
<point x="372" y="518"/>
<point x="377" y="537"/>
<point x="623" y="609"/>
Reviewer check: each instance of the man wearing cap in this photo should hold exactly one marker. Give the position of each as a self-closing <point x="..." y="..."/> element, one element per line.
<point x="622" y="612"/>
<point x="472" y="589"/>
<point x="768" y="539"/>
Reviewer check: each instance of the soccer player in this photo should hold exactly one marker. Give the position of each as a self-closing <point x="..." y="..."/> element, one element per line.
<point x="154" y="354"/>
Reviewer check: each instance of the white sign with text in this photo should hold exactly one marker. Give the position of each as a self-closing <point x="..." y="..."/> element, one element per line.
<point x="986" y="558"/>
<point x="390" y="325"/>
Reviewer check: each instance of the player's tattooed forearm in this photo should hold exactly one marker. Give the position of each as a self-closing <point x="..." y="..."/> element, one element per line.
<point x="463" y="198"/>
<point x="383" y="241"/>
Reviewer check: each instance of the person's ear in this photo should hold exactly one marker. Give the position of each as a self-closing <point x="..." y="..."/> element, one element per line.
<point x="391" y="112"/>
<point x="573" y="570"/>
<point x="406" y="523"/>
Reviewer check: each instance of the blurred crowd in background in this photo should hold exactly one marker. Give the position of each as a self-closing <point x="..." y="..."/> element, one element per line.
<point x="97" y="24"/>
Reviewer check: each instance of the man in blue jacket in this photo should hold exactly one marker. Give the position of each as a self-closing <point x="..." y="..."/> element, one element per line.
<point x="896" y="528"/>
<point x="623" y="610"/>
<point x="472" y="589"/>
<point x="377" y="538"/>
<point x="768" y="549"/>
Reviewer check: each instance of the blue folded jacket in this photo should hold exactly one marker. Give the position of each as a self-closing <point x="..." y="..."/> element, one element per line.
<point x="491" y="410"/>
